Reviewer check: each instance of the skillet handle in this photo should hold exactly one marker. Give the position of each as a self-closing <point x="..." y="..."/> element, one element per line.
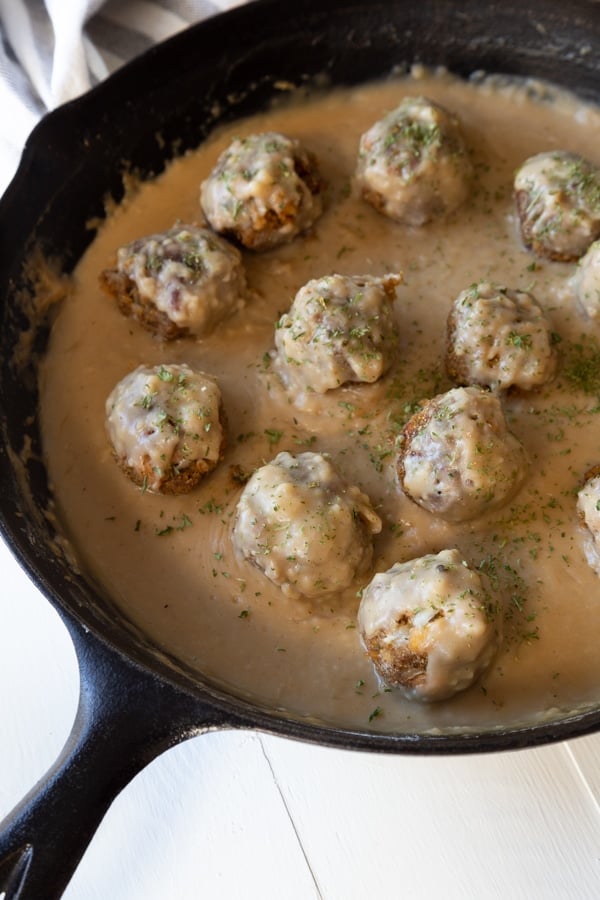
<point x="125" y="718"/>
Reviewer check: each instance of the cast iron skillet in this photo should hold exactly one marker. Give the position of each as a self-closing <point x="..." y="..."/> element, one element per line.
<point x="134" y="701"/>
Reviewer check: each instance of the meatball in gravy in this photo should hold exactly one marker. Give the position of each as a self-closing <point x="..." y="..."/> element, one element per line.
<point x="429" y="626"/>
<point x="499" y="338"/>
<point x="339" y="329"/>
<point x="166" y="426"/>
<point x="588" y="508"/>
<point x="412" y="164"/>
<point x="264" y="191"/>
<point x="304" y="527"/>
<point x="183" y="281"/>
<point x="557" y="195"/>
<point x="587" y="282"/>
<point x="457" y="457"/>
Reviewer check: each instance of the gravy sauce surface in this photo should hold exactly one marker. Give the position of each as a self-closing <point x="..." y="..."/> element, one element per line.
<point x="168" y="561"/>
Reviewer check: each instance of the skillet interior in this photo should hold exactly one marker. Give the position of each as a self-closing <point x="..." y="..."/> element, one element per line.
<point x="211" y="74"/>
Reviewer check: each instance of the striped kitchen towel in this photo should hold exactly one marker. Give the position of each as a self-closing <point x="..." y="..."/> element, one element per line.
<point x="53" y="50"/>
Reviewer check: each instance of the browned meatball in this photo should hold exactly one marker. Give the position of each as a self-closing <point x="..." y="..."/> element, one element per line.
<point x="182" y="281"/>
<point x="166" y="425"/>
<point x="588" y="508"/>
<point x="429" y="626"/>
<point x="301" y="524"/>
<point x="499" y="338"/>
<point x="557" y="196"/>
<point x="264" y="191"/>
<point x="412" y="164"/>
<point x="587" y="282"/>
<point x="457" y="458"/>
<point x="339" y="329"/>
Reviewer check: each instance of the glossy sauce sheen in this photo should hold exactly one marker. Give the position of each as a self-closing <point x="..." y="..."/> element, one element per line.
<point x="168" y="562"/>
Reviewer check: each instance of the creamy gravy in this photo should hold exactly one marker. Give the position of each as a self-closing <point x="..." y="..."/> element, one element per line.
<point x="168" y="561"/>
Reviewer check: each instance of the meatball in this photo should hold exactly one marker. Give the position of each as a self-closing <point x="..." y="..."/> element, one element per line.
<point x="557" y="195"/>
<point x="183" y="281"/>
<point x="587" y="282"/>
<point x="457" y="458"/>
<point x="264" y="190"/>
<point x="339" y="328"/>
<point x="588" y="508"/>
<point x="304" y="527"/>
<point x="412" y="164"/>
<point x="429" y="626"/>
<point x="499" y="338"/>
<point x="166" y="426"/>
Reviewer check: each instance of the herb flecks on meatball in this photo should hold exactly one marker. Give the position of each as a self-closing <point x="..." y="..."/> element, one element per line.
<point x="499" y="338"/>
<point x="557" y="195"/>
<point x="264" y="191"/>
<point x="457" y="457"/>
<point x="429" y="626"/>
<point x="339" y="329"/>
<point x="182" y="281"/>
<point x="302" y="525"/>
<point x="586" y="282"/>
<point x="166" y="426"/>
<point x="413" y="165"/>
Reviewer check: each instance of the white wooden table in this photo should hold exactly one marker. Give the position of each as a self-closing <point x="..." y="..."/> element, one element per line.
<point x="243" y="815"/>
